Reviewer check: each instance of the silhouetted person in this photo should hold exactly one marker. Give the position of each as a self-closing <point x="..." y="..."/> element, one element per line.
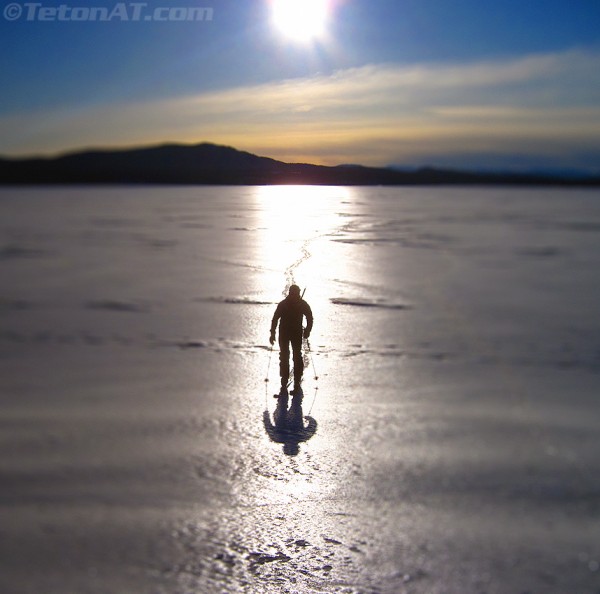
<point x="290" y="313"/>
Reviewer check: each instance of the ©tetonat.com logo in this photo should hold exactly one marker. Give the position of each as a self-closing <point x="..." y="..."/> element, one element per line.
<point x="133" y="12"/>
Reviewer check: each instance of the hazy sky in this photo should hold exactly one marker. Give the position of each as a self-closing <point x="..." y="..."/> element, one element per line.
<point x="474" y="83"/>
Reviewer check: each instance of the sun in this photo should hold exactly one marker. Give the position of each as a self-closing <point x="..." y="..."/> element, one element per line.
<point x="300" y="20"/>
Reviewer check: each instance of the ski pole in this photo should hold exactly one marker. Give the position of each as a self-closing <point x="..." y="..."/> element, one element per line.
<point x="313" y="401"/>
<point x="269" y="363"/>
<point x="312" y="361"/>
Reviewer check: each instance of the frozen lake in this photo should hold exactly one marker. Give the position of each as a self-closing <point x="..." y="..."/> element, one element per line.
<point x="449" y="445"/>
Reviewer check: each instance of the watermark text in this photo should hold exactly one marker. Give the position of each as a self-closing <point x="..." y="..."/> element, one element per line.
<point x="133" y="12"/>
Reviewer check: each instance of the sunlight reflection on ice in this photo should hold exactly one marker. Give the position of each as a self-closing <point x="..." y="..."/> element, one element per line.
<point x="288" y="480"/>
<point x="293" y="219"/>
<point x="297" y="223"/>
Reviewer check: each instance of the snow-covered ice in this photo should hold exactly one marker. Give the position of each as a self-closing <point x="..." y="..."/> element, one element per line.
<point x="449" y="445"/>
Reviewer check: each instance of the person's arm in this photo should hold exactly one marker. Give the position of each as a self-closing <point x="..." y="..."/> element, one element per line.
<point x="309" y="320"/>
<point x="274" y="321"/>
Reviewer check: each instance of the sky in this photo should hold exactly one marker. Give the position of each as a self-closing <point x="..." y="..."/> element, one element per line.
<point x="478" y="84"/>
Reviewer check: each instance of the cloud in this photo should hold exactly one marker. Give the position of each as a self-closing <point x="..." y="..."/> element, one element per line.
<point x="547" y="105"/>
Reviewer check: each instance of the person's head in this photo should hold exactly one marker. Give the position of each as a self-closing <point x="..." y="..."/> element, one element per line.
<point x="294" y="292"/>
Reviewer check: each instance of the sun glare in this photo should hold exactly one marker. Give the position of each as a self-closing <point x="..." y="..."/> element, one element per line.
<point x="300" y="20"/>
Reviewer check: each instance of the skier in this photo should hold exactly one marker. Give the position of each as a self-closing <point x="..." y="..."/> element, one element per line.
<point x="291" y="312"/>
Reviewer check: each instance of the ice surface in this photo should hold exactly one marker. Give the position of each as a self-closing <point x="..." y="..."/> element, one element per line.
<point x="450" y="444"/>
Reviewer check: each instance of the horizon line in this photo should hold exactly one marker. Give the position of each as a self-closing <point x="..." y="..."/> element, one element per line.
<point x="554" y="171"/>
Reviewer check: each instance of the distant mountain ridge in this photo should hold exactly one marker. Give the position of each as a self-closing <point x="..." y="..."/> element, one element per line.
<point x="208" y="163"/>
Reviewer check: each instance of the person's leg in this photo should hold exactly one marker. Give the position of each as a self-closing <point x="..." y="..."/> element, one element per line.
<point x="284" y="360"/>
<point x="298" y="361"/>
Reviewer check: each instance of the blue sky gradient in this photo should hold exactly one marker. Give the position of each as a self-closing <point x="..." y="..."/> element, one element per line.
<point x="501" y="84"/>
